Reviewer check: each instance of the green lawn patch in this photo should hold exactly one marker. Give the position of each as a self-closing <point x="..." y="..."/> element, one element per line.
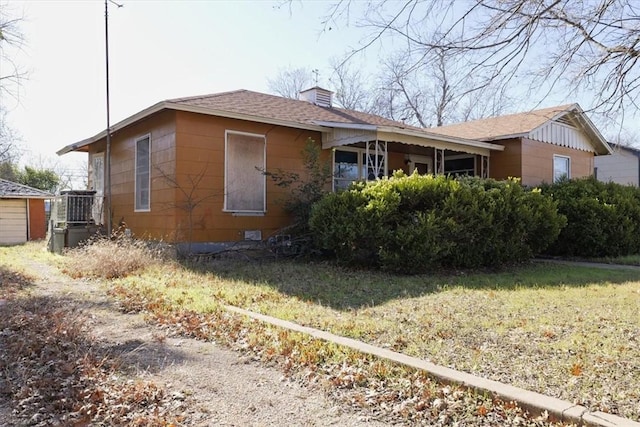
<point x="570" y="332"/>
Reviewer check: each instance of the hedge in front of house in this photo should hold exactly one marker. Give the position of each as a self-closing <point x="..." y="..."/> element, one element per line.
<point x="603" y="219"/>
<point x="415" y="223"/>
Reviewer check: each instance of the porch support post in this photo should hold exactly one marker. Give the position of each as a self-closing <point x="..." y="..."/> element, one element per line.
<point x="484" y="165"/>
<point x="374" y="150"/>
<point x="439" y="153"/>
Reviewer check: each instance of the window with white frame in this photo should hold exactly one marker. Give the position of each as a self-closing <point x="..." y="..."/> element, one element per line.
<point x="561" y="167"/>
<point x="244" y="180"/>
<point x="350" y="165"/>
<point x="143" y="174"/>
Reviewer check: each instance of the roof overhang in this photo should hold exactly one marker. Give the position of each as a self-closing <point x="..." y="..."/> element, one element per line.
<point x="27" y="196"/>
<point x="348" y="134"/>
<point x="598" y="142"/>
<point x="166" y="105"/>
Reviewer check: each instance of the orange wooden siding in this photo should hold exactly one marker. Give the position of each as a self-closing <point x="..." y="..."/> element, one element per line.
<point x="187" y="163"/>
<point x="159" y="222"/>
<point x="200" y="141"/>
<point x="537" y="162"/>
<point x="507" y="163"/>
<point x="533" y="161"/>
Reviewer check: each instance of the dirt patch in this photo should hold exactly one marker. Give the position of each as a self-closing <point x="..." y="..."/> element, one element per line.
<point x="212" y="385"/>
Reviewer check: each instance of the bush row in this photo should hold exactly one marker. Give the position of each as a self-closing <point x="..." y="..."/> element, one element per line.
<point x="603" y="219"/>
<point x="415" y="223"/>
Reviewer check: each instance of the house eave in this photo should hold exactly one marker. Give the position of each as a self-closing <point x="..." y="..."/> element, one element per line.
<point x="441" y="138"/>
<point x="338" y="125"/>
<point x="165" y="105"/>
<point x="390" y="133"/>
<point x="24" y="196"/>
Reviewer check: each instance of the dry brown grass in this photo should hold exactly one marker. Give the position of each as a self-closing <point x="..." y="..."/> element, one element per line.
<point x="110" y="259"/>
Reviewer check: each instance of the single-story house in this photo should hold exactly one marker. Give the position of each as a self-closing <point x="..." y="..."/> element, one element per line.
<point x="22" y="213"/>
<point x="622" y="167"/>
<point x="539" y="146"/>
<point x="192" y="169"/>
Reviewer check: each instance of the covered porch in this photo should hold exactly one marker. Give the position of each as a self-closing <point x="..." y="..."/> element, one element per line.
<point x="368" y="152"/>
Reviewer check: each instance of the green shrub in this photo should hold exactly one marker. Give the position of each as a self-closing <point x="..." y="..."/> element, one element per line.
<point x="416" y="223"/>
<point x="603" y="219"/>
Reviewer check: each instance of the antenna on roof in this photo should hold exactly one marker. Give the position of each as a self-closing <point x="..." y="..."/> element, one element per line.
<point x="316" y="73"/>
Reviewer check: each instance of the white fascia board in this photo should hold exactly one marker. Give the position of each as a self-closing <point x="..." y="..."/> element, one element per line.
<point x="441" y="138"/>
<point x="121" y="124"/>
<point x="338" y="125"/>
<point x="590" y="127"/>
<point x="190" y="109"/>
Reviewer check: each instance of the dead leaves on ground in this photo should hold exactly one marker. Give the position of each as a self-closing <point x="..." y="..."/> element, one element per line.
<point x="55" y="374"/>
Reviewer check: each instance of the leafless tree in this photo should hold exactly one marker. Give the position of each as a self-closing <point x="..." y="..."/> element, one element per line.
<point x="428" y="88"/>
<point x="575" y="45"/>
<point x="9" y="140"/>
<point x="11" y="41"/>
<point x="351" y="92"/>
<point x="289" y="82"/>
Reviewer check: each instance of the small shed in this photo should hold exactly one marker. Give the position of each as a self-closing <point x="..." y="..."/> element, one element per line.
<point x="22" y="213"/>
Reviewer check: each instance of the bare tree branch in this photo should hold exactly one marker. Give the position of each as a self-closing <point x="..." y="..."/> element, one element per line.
<point x="584" y="46"/>
<point x="289" y="82"/>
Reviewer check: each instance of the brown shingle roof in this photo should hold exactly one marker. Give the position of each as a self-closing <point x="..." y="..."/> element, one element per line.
<point x="10" y="189"/>
<point x="502" y="126"/>
<point x="261" y="105"/>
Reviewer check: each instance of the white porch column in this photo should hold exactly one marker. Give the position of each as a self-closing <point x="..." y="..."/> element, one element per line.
<point x="378" y="166"/>
<point x="439" y="161"/>
<point x="484" y="167"/>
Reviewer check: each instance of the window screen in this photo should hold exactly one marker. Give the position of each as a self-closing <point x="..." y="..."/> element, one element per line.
<point x="244" y="178"/>
<point x="143" y="168"/>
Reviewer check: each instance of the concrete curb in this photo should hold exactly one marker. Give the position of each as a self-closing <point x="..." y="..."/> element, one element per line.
<point x="536" y="403"/>
<point x="601" y="265"/>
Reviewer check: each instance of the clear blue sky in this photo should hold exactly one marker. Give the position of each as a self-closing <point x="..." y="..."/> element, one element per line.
<point x="159" y="50"/>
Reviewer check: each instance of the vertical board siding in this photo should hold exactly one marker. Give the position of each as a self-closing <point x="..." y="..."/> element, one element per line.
<point x="562" y="135"/>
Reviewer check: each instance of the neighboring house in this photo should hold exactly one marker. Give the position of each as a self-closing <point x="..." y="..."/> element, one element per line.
<point x="191" y="169"/>
<point x="622" y="167"/>
<point x="22" y="213"/>
<point x="540" y="145"/>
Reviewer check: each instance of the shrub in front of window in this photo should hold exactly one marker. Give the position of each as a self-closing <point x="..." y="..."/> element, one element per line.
<point x="603" y="219"/>
<point x="412" y="224"/>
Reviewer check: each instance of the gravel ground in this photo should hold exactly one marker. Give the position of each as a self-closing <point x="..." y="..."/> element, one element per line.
<point x="217" y="386"/>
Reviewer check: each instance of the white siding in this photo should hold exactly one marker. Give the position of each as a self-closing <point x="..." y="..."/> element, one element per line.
<point x="13" y="221"/>
<point x="620" y="167"/>
<point x="562" y="135"/>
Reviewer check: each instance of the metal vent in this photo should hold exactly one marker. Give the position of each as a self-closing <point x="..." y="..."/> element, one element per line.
<point x="318" y="96"/>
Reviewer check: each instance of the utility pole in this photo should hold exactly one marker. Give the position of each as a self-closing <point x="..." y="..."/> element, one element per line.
<point x="107" y="178"/>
